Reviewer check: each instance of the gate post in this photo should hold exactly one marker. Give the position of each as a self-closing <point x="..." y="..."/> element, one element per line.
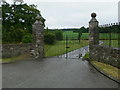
<point x="93" y="33"/>
<point x="38" y="38"/>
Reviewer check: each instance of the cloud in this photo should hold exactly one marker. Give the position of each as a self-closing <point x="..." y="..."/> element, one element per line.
<point x="67" y="14"/>
<point x="119" y="11"/>
<point x="76" y="14"/>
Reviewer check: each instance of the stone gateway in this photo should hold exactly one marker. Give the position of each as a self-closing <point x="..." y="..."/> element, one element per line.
<point x="38" y="38"/>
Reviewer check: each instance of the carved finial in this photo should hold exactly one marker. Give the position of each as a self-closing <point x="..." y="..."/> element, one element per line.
<point x="93" y="15"/>
<point x="38" y="18"/>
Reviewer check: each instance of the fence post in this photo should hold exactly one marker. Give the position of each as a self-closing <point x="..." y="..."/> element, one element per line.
<point x="93" y="33"/>
<point x="38" y="38"/>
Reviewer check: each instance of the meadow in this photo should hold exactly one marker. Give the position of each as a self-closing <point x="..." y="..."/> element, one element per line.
<point x="60" y="47"/>
<point x="114" y="43"/>
<point x="103" y="37"/>
<point x="74" y="35"/>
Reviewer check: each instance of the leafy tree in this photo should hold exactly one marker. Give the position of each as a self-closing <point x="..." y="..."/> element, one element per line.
<point x="18" y="17"/>
<point x="27" y="38"/>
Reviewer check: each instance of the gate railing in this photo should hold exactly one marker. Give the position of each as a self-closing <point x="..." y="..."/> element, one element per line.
<point x="110" y="34"/>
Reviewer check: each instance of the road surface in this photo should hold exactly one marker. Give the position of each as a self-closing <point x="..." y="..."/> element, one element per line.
<point x="53" y="72"/>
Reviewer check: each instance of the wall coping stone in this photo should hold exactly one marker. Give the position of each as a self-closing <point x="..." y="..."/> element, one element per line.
<point x="106" y="46"/>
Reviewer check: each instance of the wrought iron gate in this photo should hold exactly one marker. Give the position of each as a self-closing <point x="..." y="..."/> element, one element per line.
<point x="72" y="45"/>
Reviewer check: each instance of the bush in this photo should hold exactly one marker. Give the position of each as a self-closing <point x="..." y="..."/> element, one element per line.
<point x="27" y="38"/>
<point x="58" y="35"/>
<point x="12" y="36"/>
<point x="49" y="37"/>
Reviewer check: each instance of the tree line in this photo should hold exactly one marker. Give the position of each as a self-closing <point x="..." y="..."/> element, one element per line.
<point x="110" y="29"/>
<point x="17" y="20"/>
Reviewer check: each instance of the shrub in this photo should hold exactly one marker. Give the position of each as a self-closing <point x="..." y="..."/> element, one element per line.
<point x="49" y="37"/>
<point x="12" y="36"/>
<point x="27" y="38"/>
<point x="58" y="35"/>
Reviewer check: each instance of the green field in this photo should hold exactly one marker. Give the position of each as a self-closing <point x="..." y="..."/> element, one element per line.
<point x="114" y="43"/>
<point x="72" y="35"/>
<point x="107" y="36"/>
<point x="103" y="36"/>
<point x="59" y="47"/>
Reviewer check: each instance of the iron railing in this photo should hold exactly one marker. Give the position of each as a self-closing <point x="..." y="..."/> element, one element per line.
<point x="110" y="34"/>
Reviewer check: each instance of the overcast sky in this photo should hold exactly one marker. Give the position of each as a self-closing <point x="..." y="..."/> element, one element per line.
<point x="74" y="14"/>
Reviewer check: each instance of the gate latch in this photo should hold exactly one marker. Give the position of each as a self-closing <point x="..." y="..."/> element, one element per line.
<point x="67" y="47"/>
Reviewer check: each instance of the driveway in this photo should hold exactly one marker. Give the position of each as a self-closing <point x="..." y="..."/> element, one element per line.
<point x="54" y="72"/>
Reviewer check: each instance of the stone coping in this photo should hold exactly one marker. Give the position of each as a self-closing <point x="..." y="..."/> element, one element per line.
<point x="106" y="46"/>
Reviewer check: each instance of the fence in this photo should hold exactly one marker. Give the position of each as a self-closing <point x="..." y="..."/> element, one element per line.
<point x="109" y="34"/>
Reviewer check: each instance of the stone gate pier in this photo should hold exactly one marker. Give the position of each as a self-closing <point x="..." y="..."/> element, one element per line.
<point x="93" y="33"/>
<point x="100" y="52"/>
<point x="38" y="38"/>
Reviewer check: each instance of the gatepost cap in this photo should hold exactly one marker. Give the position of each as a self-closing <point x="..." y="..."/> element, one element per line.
<point x="93" y="15"/>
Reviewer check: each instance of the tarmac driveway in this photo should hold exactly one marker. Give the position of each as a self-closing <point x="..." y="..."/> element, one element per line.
<point x="54" y="73"/>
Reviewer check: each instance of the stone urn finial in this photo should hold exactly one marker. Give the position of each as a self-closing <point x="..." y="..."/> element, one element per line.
<point x="93" y="15"/>
<point x="38" y="18"/>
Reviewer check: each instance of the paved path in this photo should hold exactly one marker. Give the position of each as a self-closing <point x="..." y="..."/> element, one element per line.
<point x="76" y="53"/>
<point x="54" y="73"/>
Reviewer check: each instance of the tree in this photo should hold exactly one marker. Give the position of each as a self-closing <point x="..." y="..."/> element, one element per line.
<point x="58" y="34"/>
<point x="49" y="37"/>
<point x="84" y="30"/>
<point x="20" y="16"/>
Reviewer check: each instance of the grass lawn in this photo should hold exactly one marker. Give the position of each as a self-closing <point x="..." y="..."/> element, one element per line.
<point x="60" y="47"/>
<point x="107" y="36"/>
<point x="86" y="55"/>
<point x="102" y="36"/>
<point x="70" y="34"/>
<point x="110" y="70"/>
<point x="12" y="59"/>
<point x="74" y="35"/>
<point x="114" y="43"/>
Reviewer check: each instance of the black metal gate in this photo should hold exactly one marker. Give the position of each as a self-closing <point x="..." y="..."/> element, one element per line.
<point x="68" y="44"/>
<point x="72" y="48"/>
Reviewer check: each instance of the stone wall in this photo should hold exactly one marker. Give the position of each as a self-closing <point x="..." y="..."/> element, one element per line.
<point x="98" y="52"/>
<point x="106" y="55"/>
<point x="12" y="50"/>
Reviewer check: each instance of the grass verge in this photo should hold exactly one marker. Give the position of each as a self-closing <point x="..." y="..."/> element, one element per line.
<point x="71" y="34"/>
<point x="114" y="43"/>
<point x="13" y="59"/>
<point x="108" y="69"/>
<point x="86" y="55"/>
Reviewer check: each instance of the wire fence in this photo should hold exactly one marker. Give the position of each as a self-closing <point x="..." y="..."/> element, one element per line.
<point x="110" y="34"/>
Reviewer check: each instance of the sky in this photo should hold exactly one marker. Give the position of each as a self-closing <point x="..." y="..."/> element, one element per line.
<point x="75" y="13"/>
<point x="119" y="11"/>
